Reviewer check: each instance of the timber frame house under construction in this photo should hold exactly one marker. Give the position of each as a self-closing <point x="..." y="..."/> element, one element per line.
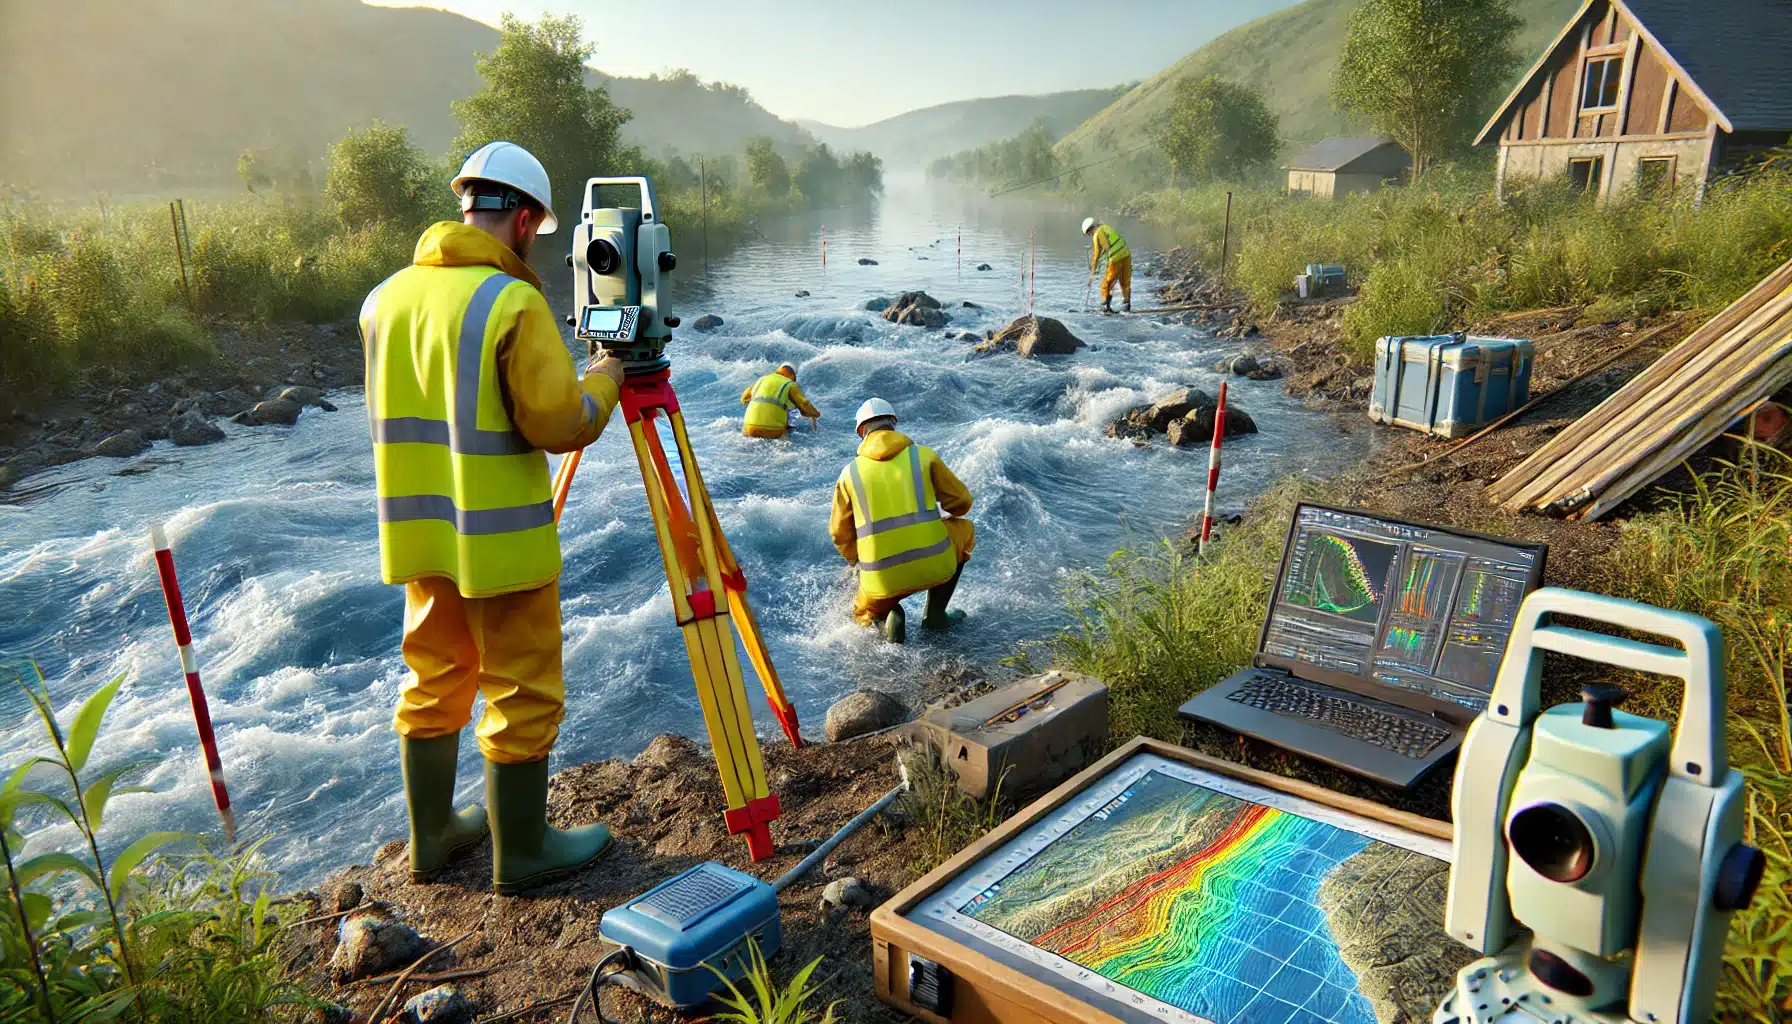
<point x="1650" y="96"/>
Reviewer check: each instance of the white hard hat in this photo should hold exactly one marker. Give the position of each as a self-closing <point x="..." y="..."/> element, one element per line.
<point x="787" y="366"/>
<point x="1088" y="224"/>
<point x="507" y="163"/>
<point x="872" y="409"/>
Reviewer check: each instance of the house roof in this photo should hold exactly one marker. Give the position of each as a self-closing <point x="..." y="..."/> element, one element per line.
<point x="1729" y="53"/>
<point x="1339" y="154"/>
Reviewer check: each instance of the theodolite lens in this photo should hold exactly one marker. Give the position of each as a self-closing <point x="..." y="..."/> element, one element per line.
<point x="602" y="257"/>
<point x="1553" y="841"/>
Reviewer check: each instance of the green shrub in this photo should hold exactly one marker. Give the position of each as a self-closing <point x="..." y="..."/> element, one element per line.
<point x="377" y="176"/>
<point x="945" y="818"/>
<point x="1160" y="625"/>
<point x="771" y="1004"/>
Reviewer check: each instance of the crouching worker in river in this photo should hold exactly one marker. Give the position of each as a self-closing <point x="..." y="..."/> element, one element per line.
<point x="770" y="401"/>
<point x="468" y="383"/>
<point x="887" y="523"/>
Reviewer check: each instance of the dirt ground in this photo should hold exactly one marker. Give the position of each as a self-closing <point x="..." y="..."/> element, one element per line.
<point x="665" y="807"/>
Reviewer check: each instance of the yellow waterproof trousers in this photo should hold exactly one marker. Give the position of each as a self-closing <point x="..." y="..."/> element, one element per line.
<point x="1118" y="270"/>
<point x="507" y="647"/>
<point x="870" y="610"/>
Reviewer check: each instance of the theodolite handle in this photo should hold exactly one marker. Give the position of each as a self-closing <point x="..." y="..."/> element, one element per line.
<point x="649" y="215"/>
<point x="1699" y="752"/>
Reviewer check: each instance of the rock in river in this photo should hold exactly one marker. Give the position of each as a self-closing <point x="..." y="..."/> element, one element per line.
<point x="192" y="428"/>
<point x="1185" y="415"/>
<point x="984" y="266"/>
<point x="863" y="711"/>
<point x="121" y="445"/>
<point x="1197" y="427"/>
<point x="916" y="309"/>
<point x="283" y="411"/>
<point x="1032" y="336"/>
<point x="706" y="322"/>
<point x="867" y="262"/>
<point x="877" y="305"/>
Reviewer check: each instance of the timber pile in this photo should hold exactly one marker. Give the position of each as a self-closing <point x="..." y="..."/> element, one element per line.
<point x="1685" y="400"/>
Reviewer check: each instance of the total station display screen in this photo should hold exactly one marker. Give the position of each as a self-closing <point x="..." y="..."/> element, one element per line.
<point x="602" y="321"/>
<point x="1419" y="608"/>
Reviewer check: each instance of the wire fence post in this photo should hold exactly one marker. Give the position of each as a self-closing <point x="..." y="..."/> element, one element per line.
<point x="1225" y="239"/>
<point x="703" y="182"/>
<point x="180" y="258"/>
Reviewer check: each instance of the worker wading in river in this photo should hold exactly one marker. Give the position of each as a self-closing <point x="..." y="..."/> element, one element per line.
<point x="468" y="384"/>
<point x="886" y="522"/>
<point x="770" y="401"/>
<point x="1107" y="243"/>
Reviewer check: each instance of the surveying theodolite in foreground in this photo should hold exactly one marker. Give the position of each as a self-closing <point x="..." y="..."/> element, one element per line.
<point x="618" y="254"/>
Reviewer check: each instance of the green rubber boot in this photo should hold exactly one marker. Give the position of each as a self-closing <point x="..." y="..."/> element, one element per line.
<point x="526" y="850"/>
<point x="437" y="832"/>
<point x="896" y="626"/>
<point x="936" y="616"/>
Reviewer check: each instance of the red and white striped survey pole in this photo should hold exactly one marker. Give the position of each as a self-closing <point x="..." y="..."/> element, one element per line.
<point x="189" y="664"/>
<point x="1213" y="470"/>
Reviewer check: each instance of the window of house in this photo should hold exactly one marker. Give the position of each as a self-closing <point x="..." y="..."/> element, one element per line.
<point x="1654" y="176"/>
<point x="1600" y="90"/>
<point x="1584" y="173"/>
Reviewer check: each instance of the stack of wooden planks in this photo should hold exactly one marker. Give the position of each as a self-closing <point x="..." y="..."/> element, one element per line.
<point x="1685" y="400"/>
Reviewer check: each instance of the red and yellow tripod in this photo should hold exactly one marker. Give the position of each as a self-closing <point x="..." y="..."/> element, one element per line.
<point x="699" y="567"/>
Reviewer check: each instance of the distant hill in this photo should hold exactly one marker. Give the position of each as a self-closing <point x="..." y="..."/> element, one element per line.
<point x="103" y="95"/>
<point x="914" y="139"/>
<point x="1290" y="55"/>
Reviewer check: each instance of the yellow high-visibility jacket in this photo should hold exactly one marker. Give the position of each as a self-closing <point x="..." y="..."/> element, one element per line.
<point x="468" y="383"/>
<point x="1109" y="241"/>
<point x="769" y="402"/>
<point x="886" y="516"/>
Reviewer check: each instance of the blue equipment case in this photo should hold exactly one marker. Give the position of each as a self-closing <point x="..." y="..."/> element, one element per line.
<point x="1449" y="384"/>
<point x="688" y="924"/>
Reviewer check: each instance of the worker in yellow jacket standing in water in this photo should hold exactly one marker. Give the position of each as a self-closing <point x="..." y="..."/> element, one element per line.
<point x="1107" y="241"/>
<point x="886" y="522"/>
<point x="468" y="383"/>
<point x="770" y="401"/>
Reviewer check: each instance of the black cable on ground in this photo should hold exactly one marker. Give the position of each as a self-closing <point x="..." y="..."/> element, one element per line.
<point x="624" y="958"/>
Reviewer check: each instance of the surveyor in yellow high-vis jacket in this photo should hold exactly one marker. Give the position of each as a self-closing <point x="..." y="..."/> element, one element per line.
<point x="1107" y="242"/>
<point x="886" y="522"/>
<point x="468" y="384"/>
<point x="769" y="403"/>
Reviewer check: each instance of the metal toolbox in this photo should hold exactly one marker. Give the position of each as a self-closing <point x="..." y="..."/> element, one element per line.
<point x="1451" y="384"/>
<point x="1024" y="738"/>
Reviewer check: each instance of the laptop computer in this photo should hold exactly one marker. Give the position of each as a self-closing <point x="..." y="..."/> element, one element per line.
<point x="1381" y="643"/>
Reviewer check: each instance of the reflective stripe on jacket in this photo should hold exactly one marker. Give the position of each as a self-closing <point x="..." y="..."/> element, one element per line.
<point x="770" y="402"/>
<point x="902" y="544"/>
<point x="1107" y="240"/>
<point x="462" y="493"/>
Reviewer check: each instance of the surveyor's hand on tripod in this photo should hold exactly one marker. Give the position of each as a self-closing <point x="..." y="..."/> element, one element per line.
<point x="609" y="366"/>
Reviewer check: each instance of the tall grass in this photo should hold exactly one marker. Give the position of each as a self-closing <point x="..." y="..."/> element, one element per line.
<point x="1436" y="256"/>
<point x="1724" y="551"/>
<point x="1158" y="626"/>
<point x="79" y="293"/>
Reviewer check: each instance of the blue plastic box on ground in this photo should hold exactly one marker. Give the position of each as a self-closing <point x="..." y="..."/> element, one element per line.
<point x="1449" y="385"/>
<point x="688" y="924"/>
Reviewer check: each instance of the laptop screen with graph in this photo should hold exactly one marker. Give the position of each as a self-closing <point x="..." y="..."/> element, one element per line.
<point x="1420" y="608"/>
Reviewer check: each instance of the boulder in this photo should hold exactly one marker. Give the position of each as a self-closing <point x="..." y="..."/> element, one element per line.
<point x="1032" y="336"/>
<point x="1197" y="427"/>
<point x="371" y="940"/>
<point x="706" y="322"/>
<point x="8" y="476"/>
<point x="228" y="402"/>
<point x="916" y="299"/>
<point x="916" y="309"/>
<point x="275" y="411"/>
<point x="192" y="428"/>
<point x="802" y="293"/>
<point x="346" y="896"/>
<point x="1175" y="405"/>
<point x="984" y="266"/>
<point x="304" y="395"/>
<point x="1243" y="365"/>
<point x="440" y="1005"/>
<point x="968" y="304"/>
<point x="863" y="711"/>
<point x="877" y="305"/>
<point x="121" y="445"/>
<point x="1266" y="371"/>
<point x="866" y="262"/>
<point x="846" y="892"/>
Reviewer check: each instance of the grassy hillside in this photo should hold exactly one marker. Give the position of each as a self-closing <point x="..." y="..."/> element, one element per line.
<point x="919" y="136"/>
<point x="1290" y="55"/>
<point x="135" y="96"/>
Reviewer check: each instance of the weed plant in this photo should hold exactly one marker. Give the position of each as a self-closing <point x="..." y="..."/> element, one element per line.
<point x="771" y="1004"/>
<point x="944" y="818"/>
<point x="87" y="939"/>
<point x="1437" y="256"/>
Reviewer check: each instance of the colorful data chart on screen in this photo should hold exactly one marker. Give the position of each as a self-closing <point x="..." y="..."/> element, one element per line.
<point x="1225" y="909"/>
<point x="1342" y="575"/>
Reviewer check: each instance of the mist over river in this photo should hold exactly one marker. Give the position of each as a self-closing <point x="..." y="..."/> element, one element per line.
<point x="276" y="540"/>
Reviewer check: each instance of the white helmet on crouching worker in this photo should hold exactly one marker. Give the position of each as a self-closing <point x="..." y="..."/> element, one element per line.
<point x="1088" y="224"/>
<point x="874" y="409"/>
<point x="510" y="165"/>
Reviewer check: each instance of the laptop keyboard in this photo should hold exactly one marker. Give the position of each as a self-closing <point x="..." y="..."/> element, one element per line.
<point x="1408" y="737"/>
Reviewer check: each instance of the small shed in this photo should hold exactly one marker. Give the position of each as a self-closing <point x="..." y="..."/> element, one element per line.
<point x="1338" y="167"/>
